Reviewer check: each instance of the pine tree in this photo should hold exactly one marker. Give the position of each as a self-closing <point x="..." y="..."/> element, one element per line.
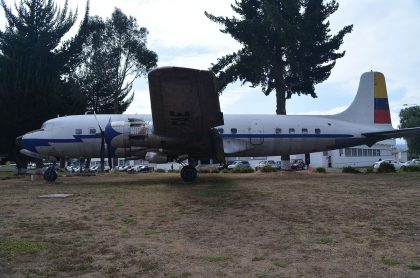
<point x="115" y="56"/>
<point x="35" y="64"/>
<point x="287" y="47"/>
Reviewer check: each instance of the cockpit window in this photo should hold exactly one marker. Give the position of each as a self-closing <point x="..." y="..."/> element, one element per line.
<point x="46" y="126"/>
<point x="78" y="131"/>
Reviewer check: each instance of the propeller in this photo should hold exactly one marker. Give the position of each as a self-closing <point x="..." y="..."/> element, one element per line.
<point x="102" y="152"/>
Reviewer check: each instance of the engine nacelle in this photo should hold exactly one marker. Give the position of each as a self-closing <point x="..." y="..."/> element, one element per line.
<point x="135" y="136"/>
<point x="156" y="157"/>
<point x="124" y="134"/>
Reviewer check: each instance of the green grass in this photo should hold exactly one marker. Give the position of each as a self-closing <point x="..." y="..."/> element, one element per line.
<point x="20" y="246"/>
<point x="279" y="263"/>
<point x="324" y="240"/>
<point x="389" y="261"/>
<point x="414" y="266"/>
<point x="217" y="258"/>
<point x="129" y="220"/>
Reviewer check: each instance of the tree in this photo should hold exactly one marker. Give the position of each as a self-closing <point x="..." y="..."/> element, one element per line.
<point x="287" y="47"/>
<point x="35" y="64"/>
<point x="410" y="117"/>
<point x="115" y="56"/>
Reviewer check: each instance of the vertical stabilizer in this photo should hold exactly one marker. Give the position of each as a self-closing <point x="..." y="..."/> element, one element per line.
<point x="370" y="106"/>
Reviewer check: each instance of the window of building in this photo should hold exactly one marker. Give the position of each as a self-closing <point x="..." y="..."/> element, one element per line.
<point x="359" y="152"/>
<point x="353" y="152"/>
<point x="291" y="131"/>
<point x="304" y="131"/>
<point x="220" y="130"/>
<point x="317" y="131"/>
<point x="78" y="131"/>
<point x="369" y="152"/>
<point x="92" y="131"/>
<point x="348" y="152"/>
<point x="278" y="130"/>
<point x="365" y="152"/>
<point x="233" y="130"/>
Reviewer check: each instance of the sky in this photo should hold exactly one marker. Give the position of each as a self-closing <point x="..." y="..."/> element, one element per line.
<point x="385" y="38"/>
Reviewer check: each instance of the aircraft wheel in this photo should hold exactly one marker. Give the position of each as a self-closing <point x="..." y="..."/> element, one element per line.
<point x="188" y="173"/>
<point x="50" y="174"/>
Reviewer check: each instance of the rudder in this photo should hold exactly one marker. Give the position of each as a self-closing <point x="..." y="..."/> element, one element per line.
<point x="370" y="106"/>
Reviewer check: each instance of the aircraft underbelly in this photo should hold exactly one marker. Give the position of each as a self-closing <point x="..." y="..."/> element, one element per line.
<point x="282" y="146"/>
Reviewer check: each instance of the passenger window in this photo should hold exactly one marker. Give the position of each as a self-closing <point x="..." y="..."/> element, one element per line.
<point x="233" y="130"/>
<point x="291" y="131"/>
<point x="278" y="130"/>
<point x="304" y="131"/>
<point x="220" y="130"/>
<point x="317" y="131"/>
<point x="92" y="131"/>
<point x="78" y="131"/>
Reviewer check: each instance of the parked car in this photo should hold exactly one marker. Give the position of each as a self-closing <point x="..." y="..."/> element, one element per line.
<point x="413" y="162"/>
<point x="239" y="164"/>
<point x="277" y="165"/>
<point x="225" y="165"/>
<point x="123" y="168"/>
<point x="265" y="163"/>
<point x="396" y="164"/>
<point x="139" y="169"/>
<point x="297" y="164"/>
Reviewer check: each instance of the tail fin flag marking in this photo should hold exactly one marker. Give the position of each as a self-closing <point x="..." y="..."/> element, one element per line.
<point x="381" y="106"/>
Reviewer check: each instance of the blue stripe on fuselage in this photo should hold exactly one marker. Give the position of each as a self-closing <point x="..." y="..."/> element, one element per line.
<point x="226" y="136"/>
<point x="31" y="143"/>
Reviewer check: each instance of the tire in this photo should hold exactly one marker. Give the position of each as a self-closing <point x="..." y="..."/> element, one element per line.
<point x="188" y="173"/>
<point x="50" y="175"/>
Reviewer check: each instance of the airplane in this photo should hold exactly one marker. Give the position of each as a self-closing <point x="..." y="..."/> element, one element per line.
<point x="187" y="125"/>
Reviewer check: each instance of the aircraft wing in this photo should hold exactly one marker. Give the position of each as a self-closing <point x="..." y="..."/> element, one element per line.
<point x="396" y="133"/>
<point x="184" y="101"/>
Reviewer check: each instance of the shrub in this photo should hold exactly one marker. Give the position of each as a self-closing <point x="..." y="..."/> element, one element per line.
<point x="369" y="170"/>
<point x="267" y="169"/>
<point x="173" y="171"/>
<point x="225" y="171"/>
<point x="204" y="171"/>
<point x="214" y="171"/>
<point x="411" y="168"/>
<point x="350" y="170"/>
<point x="160" y="171"/>
<point x="386" y="168"/>
<point x="247" y="170"/>
<point x="243" y="170"/>
<point x="320" y="170"/>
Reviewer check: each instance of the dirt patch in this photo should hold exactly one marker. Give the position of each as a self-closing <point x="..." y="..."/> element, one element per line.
<point x="235" y="225"/>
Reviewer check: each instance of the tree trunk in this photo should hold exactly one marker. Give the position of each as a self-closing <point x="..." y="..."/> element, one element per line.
<point x="281" y="102"/>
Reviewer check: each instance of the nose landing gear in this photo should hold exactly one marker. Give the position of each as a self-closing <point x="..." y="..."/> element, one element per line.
<point x="50" y="174"/>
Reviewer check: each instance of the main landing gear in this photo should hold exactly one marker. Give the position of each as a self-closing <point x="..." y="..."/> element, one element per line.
<point x="188" y="173"/>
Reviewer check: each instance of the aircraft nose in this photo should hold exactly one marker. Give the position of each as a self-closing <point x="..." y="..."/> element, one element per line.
<point x="18" y="143"/>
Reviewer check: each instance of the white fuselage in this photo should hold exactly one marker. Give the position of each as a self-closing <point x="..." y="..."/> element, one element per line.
<point x="243" y="135"/>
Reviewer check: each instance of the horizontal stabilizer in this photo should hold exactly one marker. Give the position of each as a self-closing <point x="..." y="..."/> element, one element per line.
<point x="396" y="133"/>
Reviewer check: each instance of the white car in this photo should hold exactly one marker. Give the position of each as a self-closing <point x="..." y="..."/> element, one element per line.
<point x="396" y="164"/>
<point x="413" y="162"/>
<point x="239" y="164"/>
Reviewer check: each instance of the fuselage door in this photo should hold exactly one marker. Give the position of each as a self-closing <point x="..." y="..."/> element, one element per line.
<point x="256" y="132"/>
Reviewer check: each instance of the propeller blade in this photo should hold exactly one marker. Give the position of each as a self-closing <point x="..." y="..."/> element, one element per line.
<point x="102" y="151"/>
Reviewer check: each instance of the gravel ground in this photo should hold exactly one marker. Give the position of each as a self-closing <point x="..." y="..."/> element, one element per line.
<point x="295" y="224"/>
